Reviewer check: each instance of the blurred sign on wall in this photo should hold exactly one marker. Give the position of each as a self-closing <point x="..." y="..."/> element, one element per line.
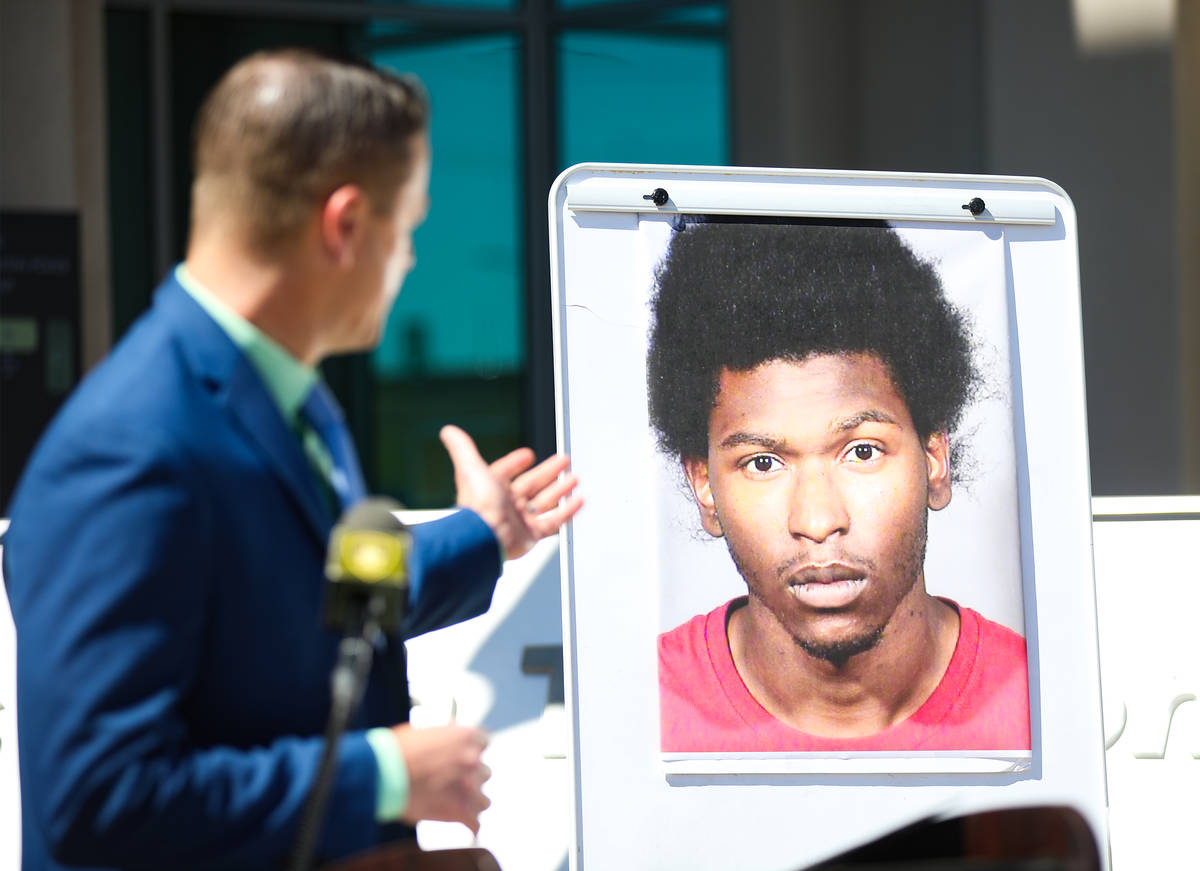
<point x="39" y="330"/>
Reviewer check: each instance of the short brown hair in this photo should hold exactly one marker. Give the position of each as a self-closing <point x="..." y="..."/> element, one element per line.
<point x="283" y="129"/>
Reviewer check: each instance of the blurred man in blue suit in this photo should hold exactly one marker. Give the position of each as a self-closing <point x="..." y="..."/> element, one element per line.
<point x="164" y="561"/>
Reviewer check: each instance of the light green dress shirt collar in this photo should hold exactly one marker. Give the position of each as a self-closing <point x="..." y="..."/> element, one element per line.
<point x="286" y="378"/>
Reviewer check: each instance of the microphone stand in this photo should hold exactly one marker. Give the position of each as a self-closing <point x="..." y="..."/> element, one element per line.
<point x="347" y="684"/>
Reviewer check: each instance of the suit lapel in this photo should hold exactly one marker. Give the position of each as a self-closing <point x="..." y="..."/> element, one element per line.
<point x="255" y="411"/>
<point x="240" y="392"/>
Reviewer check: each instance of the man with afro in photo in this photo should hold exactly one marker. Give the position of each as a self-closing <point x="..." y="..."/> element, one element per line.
<point x="808" y="378"/>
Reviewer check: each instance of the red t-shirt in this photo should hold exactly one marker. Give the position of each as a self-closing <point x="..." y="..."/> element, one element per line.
<point x="981" y="703"/>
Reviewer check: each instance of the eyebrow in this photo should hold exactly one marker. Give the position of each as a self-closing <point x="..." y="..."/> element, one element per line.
<point x="735" y="439"/>
<point x="773" y="443"/>
<point x="870" y="415"/>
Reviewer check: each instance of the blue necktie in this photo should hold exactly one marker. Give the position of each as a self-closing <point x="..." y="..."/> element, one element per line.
<point x="321" y="411"/>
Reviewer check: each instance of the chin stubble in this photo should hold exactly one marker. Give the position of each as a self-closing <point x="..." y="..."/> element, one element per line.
<point x="837" y="653"/>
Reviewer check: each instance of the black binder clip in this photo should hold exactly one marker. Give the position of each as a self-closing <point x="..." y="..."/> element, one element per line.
<point x="658" y="196"/>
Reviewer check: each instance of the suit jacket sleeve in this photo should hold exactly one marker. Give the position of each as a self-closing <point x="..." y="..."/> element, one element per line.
<point x="458" y="559"/>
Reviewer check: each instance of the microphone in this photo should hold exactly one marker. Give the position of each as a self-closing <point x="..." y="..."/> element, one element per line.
<point x="367" y="593"/>
<point x="367" y="568"/>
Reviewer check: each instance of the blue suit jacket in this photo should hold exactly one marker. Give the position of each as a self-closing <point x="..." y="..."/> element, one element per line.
<point x="165" y="570"/>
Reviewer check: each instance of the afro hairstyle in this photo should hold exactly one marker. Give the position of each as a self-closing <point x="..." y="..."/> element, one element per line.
<point x="733" y="294"/>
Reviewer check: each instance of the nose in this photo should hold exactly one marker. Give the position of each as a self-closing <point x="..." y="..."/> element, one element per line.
<point x="818" y="509"/>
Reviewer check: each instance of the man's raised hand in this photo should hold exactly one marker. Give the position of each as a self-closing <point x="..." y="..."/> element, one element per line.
<point x="521" y="504"/>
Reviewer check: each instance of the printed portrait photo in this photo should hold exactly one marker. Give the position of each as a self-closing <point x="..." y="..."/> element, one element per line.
<point x="839" y="554"/>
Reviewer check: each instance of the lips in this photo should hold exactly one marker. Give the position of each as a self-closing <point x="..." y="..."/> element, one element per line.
<point x="829" y="586"/>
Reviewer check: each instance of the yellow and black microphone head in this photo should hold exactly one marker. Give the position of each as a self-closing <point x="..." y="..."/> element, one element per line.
<point x="367" y="559"/>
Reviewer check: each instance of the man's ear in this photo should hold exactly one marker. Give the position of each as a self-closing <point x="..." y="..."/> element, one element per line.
<point x="343" y="224"/>
<point x="697" y="475"/>
<point x="937" y="457"/>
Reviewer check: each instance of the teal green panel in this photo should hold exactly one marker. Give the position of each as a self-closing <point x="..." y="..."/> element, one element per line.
<point x="489" y="5"/>
<point x="391" y="7"/>
<point x="704" y="13"/>
<point x="462" y="311"/>
<point x="643" y="99"/>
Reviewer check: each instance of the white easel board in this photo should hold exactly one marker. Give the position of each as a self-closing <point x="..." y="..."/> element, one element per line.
<point x="1015" y="545"/>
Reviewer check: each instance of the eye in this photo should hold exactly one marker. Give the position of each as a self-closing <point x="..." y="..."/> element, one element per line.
<point x="863" y="453"/>
<point x="762" y="464"/>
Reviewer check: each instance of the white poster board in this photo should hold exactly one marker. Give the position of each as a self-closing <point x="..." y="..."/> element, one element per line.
<point x="1014" y="545"/>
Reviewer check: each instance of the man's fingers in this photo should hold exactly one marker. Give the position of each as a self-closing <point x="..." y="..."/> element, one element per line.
<point x="549" y="497"/>
<point x="540" y="476"/>
<point x="550" y="522"/>
<point x="472" y="801"/>
<point x="460" y="447"/>
<point x="476" y="802"/>
<point x="512" y="464"/>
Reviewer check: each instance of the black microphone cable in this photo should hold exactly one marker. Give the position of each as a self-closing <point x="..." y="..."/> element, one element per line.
<point x="367" y="568"/>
